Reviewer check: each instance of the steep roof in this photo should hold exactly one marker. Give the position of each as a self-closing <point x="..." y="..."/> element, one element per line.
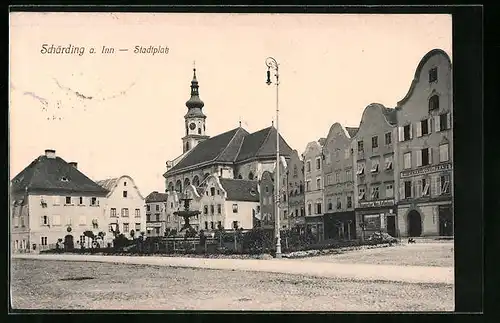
<point x="154" y="197"/>
<point x="233" y="146"/>
<point x="240" y="189"/>
<point x="352" y="131"/>
<point x="262" y="143"/>
<point x="210" y="150"/>
<point x="54" y="174"/>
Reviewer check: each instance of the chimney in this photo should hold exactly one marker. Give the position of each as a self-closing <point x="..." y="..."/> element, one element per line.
<point x="50" y="153"/>
<point x="74" y="164"/>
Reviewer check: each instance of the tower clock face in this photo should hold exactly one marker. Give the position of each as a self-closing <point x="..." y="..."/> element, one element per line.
<point x="192" y="126"/>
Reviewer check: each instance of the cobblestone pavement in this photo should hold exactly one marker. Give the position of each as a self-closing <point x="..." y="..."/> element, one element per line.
<point x="43" y="284"/>
<point x="366" y="272"/>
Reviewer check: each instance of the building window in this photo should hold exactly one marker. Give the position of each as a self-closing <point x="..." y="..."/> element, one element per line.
<point x="309" y="209"/>
<point x="444" y="153"/>
<point x="250" y="176"/>
<point x="407" y="189"/>
<point x="125" y="212"/>
<point x="206" y="225"/>
<point x="445" y="184"/>
<point x="375" y="165"/>
<point x="389" y="190"/>
<point x="235" y="225"/>
<point x="212" y="209"/>
<point x="433" y="75"/>
<point x="425" y="186"/>
<point x="113" y="212"/>
<point x="375" y="193"/>
<point x="361" y="193"/>
<point x="219" y="224"/>
<point x="318" y="183"/>
<point x="434" y="102"/>
<point x="80" y="201"/>
<point x="148" y="208"/>
<point x="212" y="191"/>
<point x="137" y="227"/>
<point x="361" y="168"/>
<point x="339" y="203"/>
<point x="212" y="225"/>
<point x="125" y="228"/>
<point x="171" y="205"/>
<point x="388" y="138"/>
<point x="308" y="186"/>
<point x="44" y="220"/>
<point x="318" y="208"/>
<point x="444" y="122"/>
<point x="330" y="205"/>
<point x="157" y="216"/>
<point x="360" y="146"/>
<point x="235" y="208"/>
<point x="349" y="201"/>
<point x="407" y="132"/>
<point x="308" y="166"/>
<point x="56" y="220"/>
<point x="205" y="209"/>
<point x="388" y="162"/>
<point x="68" y="200"/>
<point x="57" y="200"/>
<point x="95" y="224"/>
<point x="157" y="231"/>
<point x="157" y="207"/>
<point x="424" y="157"/>
<point x="407" y="160"/>
<point x="125" y="193"/>
<point x="347" y="153"/>
<point x="44" y="241"/>
<point x="219" y="209"/>
<point x="137" y="213"/>
<point x="318" y="163"/>
<point x="375" y="142"/>
<point x="93" y="201"/>
<point x="148" y="217"/>
<point x="423" y="127"/>
<point x="348" y="175"/>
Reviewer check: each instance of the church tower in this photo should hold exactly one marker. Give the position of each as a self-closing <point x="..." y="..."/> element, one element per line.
<point x="194" y="119"/>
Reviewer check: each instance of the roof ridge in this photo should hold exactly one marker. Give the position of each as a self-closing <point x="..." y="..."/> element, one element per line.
<point x="239" y="148"/>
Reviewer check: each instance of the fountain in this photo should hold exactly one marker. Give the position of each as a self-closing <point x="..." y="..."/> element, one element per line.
<point x="186" y="213"/>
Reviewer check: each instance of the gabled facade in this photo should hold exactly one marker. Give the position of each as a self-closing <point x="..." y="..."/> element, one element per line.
<point x="313" y="177"/>
<point x="123" y="207"/>
<point x="50" y="200"/>
<point x="338" y="178"/>
<point x="374" y="148"/>
<point x="425" y="149"/>
<point x="295" y="191"/>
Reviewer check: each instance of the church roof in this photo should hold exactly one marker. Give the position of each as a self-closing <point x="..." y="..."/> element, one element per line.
<point x="240" y="189"/>
<point x="233" y="146"/>
<point x="54" y="174"/>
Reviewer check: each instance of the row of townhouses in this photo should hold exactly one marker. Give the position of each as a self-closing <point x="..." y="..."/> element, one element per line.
<point x="53" y="201"/>
<point x="392" y="173"/>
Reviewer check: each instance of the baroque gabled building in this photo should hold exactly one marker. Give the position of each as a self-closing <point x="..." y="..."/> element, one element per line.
<point x="425" y="149"/>
<point x="295" y="199"/>
<point x="156" y="217"/>
<point x="374" y="148"/>
<point x="50" y="200"/>
<point x="338" y="178"/>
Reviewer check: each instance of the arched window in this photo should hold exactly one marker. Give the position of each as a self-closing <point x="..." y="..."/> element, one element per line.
<point x="434" y="102"/>
<point x="196" y="181"/>
<point x="250" y="176"/>
<point x="178" y="186"/>
<point x="187" y="146"/>
<point x="170" y="186"/>
<point x="199" y="131"/>
<point x="240" y="177"/>
<point x="187" y="182"/>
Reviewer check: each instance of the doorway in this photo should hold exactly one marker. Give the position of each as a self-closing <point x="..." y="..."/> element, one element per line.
<point x="445" y="221"/>
<point x="68" y="242"/>
<point x="414" y="224"/>
<point x="391" y="225"/>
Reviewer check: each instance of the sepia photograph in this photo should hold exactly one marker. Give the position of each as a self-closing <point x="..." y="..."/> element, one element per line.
<point x="231" y="162"/>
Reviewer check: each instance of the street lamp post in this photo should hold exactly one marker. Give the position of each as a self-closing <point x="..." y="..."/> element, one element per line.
<point x="271" y="63"/>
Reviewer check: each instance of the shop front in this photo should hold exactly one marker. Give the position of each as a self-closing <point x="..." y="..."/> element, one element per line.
<point x="340" y="225"/>
<point x="376" y="216"/>
<point x="314" y="227"/>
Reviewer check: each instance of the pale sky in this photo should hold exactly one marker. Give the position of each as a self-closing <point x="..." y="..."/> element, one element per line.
<point x="331" y="68"/>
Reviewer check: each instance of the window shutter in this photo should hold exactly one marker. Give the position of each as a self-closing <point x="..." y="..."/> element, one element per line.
<point x="400" y="133"/>
<point x="438" y="185"/>
<point x="430" y="155"/>
<point x="437" y="125"/>
<point x="419" y="129"/>
<point x="41" y="220"/>
<point x="429" y="125"/>
<point x="402" y="190"/>
<point x="448" y="120"/>
<point x="411" y="131"/>
<point x="419" y="157"/>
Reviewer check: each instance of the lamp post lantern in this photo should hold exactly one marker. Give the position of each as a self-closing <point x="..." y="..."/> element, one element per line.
<point x="271" y="63"/>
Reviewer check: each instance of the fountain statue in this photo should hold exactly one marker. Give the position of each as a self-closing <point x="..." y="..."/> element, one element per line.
<point x="186" y="213"/>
